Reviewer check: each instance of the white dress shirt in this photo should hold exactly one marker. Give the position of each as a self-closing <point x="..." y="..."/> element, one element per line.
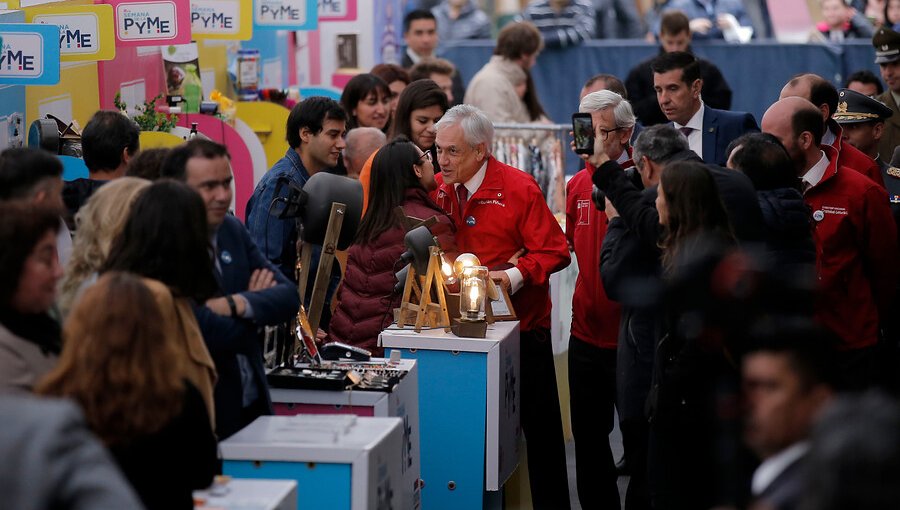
<point x="695" y="139"/>
<point x="814" y="175"/>
<point x="772" y="467"/>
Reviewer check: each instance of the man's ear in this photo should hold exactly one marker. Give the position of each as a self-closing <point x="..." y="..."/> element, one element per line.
<point x="696" y="87"/>
<point x="305" y="134"/>
<point x="126" y="156"/>
<point x="805" y="140"/>
<point x="877" y="131"/>
<point x="826" y="112"/>
<point x="481" y="152"/>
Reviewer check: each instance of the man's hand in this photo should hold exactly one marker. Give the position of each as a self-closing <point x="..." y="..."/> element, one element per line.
<point x="584" y="157"/>
<point x="611" y="211"/>
<point x="599" y="156"/>
<point x="219" y="305"/>
<point x="261" y="279"/>
<point x="700" y="25"/>
<point x="501" y="278"/>
<point x="515" y="258"/>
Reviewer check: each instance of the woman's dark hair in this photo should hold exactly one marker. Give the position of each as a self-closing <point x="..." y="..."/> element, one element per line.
<point x="532" y="103"/>
<point x="23" y="226"/>
<point x="392" y="174"/>
<point x="694" y="207"/>
<point x="148" y="163"/>
<point x="166" y="238"/>
<point x="358" y="89"/>
<point x="762" y="158"/>
<point x="419" y="94"/>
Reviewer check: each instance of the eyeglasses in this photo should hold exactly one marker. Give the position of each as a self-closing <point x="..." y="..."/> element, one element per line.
<point x="605" y="132"/>
<point x="426" y="156"/>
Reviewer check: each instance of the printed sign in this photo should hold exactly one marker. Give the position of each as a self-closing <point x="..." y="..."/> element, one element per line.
<point x="221" y="19"/>
<point x="152" y="23"/>
<point x="337" y="10"/>
<point x="85" y="31"/>
<point x="285" y="14"/>
<point x="29" y="54"/>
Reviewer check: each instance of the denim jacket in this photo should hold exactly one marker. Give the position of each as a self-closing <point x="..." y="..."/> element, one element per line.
<point x="276" y="238"/>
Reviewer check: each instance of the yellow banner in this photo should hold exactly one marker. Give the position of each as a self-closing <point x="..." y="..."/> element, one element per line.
<point x="86" y="32"/>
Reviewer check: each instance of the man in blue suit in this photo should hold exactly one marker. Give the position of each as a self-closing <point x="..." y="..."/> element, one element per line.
<point x="254" y="292"/>
<point x="676" y="79"/>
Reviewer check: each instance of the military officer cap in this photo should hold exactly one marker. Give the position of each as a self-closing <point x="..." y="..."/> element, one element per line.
<point x="887" y="45"/>
<point x="854" y="107"/>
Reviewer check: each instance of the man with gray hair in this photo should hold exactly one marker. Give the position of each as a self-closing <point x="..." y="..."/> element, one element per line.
<point x="595" y="318"/>
<point x="362" y="142"/>
<point x="499" y="210"/>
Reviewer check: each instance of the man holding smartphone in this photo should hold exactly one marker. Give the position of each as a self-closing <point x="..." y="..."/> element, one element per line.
<point x="595" y="318"/>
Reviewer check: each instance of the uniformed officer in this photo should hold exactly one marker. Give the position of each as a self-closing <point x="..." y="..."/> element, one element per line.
<point x="862" y="121"/>
<point x="887" y="56"/>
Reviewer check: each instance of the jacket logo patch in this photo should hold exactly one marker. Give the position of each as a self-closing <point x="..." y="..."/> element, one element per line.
<point x="827" y="209"/>
<point x="490" y="202"/>
<point x="584" y="212"/>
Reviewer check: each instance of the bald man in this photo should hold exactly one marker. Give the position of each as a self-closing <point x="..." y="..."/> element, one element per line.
<point x="362" y="142"/>
<point x="824" y="96"/>
<point x="856" y="240"/>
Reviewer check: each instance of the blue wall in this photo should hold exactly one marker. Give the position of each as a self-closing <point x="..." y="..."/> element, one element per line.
<point x="756" y="72"/>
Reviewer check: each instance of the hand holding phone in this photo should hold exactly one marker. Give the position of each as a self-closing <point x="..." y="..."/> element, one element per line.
<point x="583" y="132"/>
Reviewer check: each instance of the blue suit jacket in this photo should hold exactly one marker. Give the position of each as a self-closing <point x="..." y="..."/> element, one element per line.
<point x="226" y="337"/>
<point x="720" y="127"/>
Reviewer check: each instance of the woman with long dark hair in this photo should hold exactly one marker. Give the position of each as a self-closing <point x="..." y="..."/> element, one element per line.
<point x="690" y="210"/>
<point x="421" y="105"/>
<point x="367" y="100"/>
<point x="402" y="177"/>
<point x="123" y="369"/>
<point x="166" y="240"/>
<point x="29" y="336"/>
<point x="690" y="363"/>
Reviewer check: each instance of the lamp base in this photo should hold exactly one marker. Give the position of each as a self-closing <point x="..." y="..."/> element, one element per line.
<point x="469" y="329"/>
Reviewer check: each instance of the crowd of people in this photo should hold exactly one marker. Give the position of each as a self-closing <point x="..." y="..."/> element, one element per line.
<point x="736" y="291"/>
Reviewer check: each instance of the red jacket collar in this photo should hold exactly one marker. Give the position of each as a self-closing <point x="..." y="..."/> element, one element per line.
<point x="493" y="180"/>
<point x="832" y="154"/>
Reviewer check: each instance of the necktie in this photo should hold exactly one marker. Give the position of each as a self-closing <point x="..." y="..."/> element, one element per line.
<point x="804" y="186"/>
<point x="463" y="194"/>
<point x="686" y="131"/>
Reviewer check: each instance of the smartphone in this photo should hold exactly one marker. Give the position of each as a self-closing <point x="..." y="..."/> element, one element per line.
<point x="583" y="129"/>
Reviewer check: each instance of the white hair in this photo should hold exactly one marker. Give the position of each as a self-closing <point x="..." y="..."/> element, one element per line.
<point x="476" y="127"/>
<point x="603" y="99"/>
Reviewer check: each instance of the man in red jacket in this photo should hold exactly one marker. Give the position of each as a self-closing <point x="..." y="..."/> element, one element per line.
<point x="824" y="96"/>
<point x="595" y="318"/>
<point x="499" y="210"/>
<point x="856" y="240"/>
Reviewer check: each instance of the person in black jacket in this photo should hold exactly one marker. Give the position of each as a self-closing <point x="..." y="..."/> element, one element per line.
<point x="674" y="35"/>
<point x="790" y="251"/>
<point x="631" y="272"/>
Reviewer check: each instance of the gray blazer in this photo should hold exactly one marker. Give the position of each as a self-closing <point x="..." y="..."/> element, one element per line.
<point x="52" y="461"/>
<point x="22" y="364"/>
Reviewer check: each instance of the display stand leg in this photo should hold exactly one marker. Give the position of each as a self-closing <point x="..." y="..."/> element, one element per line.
<point x="326" y="261"/>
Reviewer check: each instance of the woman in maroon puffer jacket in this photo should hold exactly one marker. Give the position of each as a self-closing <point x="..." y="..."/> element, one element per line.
<point x="402" y="175"/>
